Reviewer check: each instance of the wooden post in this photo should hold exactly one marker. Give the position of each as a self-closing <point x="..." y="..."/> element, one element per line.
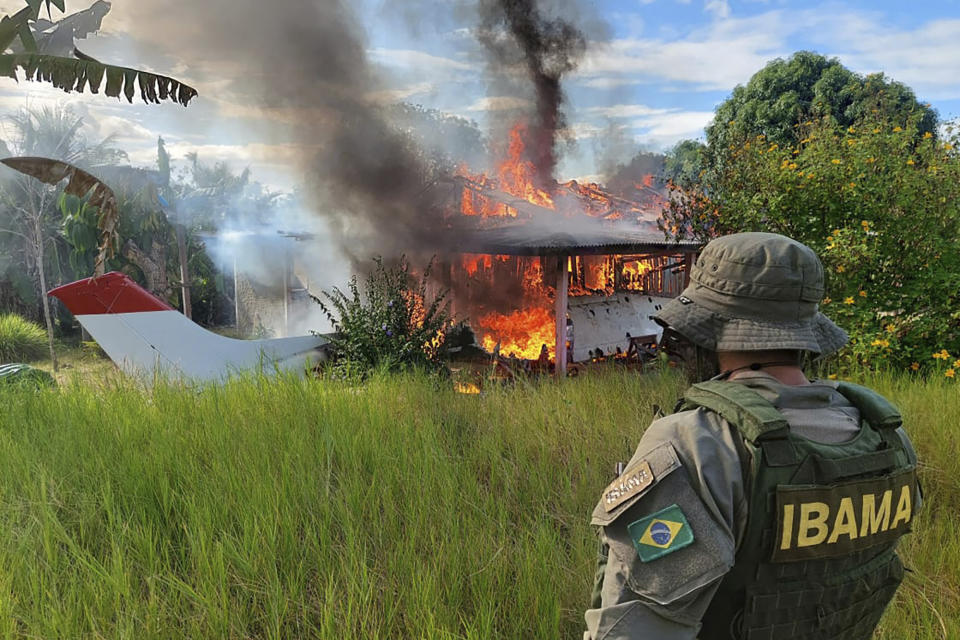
<point x="286" y="293"/>
<point x="689" y="259"/>
<point x="184" y="272"/>
<point x="560" y="311"/>
<point x="236" y="294"/>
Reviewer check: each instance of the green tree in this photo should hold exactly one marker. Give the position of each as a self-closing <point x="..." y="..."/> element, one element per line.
<point x="685" y="163"/>
<point x="807" y="85"/>
<point x="30" y="216"/>
<point x="879" y="200"/>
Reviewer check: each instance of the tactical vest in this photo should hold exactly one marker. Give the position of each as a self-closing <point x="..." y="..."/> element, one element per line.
<point x="817" y="559"/>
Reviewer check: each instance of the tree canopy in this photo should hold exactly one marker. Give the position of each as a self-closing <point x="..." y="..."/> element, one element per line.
<point x="808" y="85"/>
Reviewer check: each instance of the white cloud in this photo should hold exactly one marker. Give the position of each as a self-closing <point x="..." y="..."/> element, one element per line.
<point x="925" y="58"/>
<point x="625" y="111"/>
<point x="719" y="8"/>
<point x="609" y="82"/>
<point x="674" y="126"/>
<point x="499" y="103"/>
<point x="402" y="93"/>
<point x="717" y="57"/>
<point x="729" y="50"/>
<point x="412" y="59"/>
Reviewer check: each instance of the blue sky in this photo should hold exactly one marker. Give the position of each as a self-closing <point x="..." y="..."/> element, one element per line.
<point x="654" y="72"/>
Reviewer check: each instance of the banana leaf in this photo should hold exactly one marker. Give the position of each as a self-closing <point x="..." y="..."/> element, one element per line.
<point x="74" y="74"/>
<point x="80" y="184"/>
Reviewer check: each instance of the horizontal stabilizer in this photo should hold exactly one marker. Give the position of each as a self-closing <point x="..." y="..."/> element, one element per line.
<point x="145" y="336"/>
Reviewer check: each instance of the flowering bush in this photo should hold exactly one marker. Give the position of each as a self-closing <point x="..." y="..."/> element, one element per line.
<point x="392" y="323"/>
<point x="879" y="201"/>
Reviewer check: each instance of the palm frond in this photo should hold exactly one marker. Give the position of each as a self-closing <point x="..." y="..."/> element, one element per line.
<point x="72" y="74"/>
<point x="80" y="184"/>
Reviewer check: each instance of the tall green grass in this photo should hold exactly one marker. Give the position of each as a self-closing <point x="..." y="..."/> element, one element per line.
<point x="399" y="509"/>
<point x="20" y="339"/>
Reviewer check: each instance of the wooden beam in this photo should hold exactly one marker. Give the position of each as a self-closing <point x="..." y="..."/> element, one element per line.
<point x="184" y="270"/>
<point x="689" y="259"/>
<point x="560" y="313"/>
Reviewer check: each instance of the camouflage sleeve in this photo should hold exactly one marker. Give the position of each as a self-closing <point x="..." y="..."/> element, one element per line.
<point x="670" y="526"/>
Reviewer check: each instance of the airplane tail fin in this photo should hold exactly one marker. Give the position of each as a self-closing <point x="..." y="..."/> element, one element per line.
<point x="146" y="336"/>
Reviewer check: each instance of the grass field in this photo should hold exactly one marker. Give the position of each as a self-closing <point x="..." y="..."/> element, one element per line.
<point x="399" y="509"/>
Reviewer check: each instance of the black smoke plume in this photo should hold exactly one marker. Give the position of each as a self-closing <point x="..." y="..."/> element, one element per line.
<point x="517" y="33"/>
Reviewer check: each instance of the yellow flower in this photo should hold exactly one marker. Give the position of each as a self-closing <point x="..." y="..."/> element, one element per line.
<point x="863" y="294"/>
<point x="848" y="300"/>
<point x="914" y="365"/>
<point x="850" y="129"/>
<point x="865" y="224"/>
<point x="876" y="343"/>
<point x="773" y="147"/>
<point x="947" y="146"/>
<point x="841" y="268"/>
<point x="832" y="376"/>
<point x="927" y="135"/>
<point x="784" y="164"/>
<point x="851" y="142"/>
<point x="877" y="130"/>
<point x="835" y="161"/>
<point x="836" y="232"/>
<point x="826" y="301"/>
<point x="910" y="162"/>
<point x="956" y="364"/>
<point x="871" y="160"/>
<point x="805" y="141"/>
<point x="949" y="373"/>
<point x="944" y="354"/>
<point x="809" y="175"/>
<point x="890" y="328"/>
<point x="731" y="122"/>
<point x="897" y="129"/>
<point x="853" y="185"/>
<point x="793" y="165"/>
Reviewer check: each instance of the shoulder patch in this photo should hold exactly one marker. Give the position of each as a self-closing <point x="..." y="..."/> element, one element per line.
<point x="632" y="482"/>
<point x="659" y="534"/>
<point x="645" y="471"/>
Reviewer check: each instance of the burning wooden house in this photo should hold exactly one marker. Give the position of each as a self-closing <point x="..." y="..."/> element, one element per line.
<point x="531" y="269"/>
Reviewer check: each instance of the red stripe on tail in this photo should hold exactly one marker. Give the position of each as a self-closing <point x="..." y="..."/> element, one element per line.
<point x="110" y="293"/>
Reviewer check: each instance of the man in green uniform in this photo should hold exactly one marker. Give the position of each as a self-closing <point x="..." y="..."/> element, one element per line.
<point x="769" y="506"/>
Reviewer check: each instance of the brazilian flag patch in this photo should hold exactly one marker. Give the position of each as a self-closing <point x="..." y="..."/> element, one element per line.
<point x="664" y="532"/>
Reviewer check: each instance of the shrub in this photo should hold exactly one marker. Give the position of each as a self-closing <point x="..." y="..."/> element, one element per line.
<point x="392" y="324"/>
<point x="20" y="339"/>
<point x="879" y="201"/>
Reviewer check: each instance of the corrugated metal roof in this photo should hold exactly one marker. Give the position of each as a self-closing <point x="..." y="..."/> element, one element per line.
<point x="563" y="236"/>
<point x="538" y="230"/>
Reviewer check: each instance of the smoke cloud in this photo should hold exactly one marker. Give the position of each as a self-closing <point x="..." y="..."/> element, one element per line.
<point x="517" y="34"/>
<point x="303" y="66"/>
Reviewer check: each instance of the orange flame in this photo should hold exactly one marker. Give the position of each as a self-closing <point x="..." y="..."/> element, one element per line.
<point x="520" y="334"/>
<point x="524" y="332"/>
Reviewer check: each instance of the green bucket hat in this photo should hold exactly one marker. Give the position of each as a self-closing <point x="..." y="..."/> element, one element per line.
<point x="754" y="292"/>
